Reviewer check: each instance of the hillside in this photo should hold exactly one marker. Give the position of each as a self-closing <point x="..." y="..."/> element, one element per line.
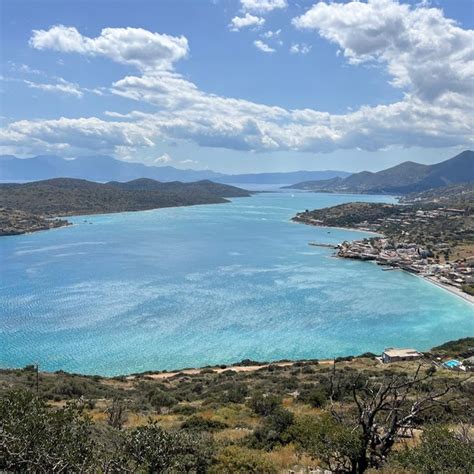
<point x="456" y="195"/>
<point x="404" y="178"/>
<point x="244" y="418"/>
<point x="105" y="168"/>
<point x="65" y="197"/>
<point x="14" y="222"/>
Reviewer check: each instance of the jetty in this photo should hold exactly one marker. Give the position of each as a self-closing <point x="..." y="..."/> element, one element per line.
<point x="317" y="244"/>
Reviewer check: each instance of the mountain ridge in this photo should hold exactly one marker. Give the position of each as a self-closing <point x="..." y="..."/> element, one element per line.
<point x="104" y="168"/>
<point x="406" y="177"/>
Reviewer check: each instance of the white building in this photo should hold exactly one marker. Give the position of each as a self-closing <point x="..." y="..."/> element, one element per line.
<point x="396" y="355"/>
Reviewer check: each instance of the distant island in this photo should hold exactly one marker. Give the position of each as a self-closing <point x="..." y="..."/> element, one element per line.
<point x="404" y="178"/>
<point x="431" y="234"/>
<point x="30" y="207"/>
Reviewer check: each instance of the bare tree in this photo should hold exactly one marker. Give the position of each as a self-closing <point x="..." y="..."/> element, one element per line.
<point x="116" y="414"/>
<point x="388" y="407"/>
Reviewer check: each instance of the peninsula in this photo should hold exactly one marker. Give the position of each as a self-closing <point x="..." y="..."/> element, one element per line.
<point x="30" y="207"/>
<point x="431" y="234"/>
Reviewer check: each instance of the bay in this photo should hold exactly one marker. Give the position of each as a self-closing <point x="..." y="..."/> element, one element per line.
<point x="214" y="284"/>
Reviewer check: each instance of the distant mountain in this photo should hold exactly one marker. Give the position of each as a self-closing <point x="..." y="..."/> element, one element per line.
<point x="68" y="196"/>
<point x="105" y="168"/>
<point x="281" y="178"/>
<point x="93" y="168"/>
<point x="404" y="178"/>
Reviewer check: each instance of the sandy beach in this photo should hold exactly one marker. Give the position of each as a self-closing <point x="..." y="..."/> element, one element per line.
<point x="450" y="288"/>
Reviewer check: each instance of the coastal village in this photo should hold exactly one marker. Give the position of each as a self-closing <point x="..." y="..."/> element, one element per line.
<point x="409" y="239"/>
<point x="410" y="257"/>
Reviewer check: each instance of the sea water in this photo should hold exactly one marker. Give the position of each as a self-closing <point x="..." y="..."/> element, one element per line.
<point x="213" y="284"/>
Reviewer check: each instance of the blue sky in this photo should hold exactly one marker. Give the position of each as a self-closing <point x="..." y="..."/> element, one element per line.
<point x="239" y="85"/>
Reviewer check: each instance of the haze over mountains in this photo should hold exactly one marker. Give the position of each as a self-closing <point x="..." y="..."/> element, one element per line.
<point x="404" y="178"/>
<point x="105" y="168"/>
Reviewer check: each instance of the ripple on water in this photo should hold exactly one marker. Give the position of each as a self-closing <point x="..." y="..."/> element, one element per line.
<point x="203" y="285"/>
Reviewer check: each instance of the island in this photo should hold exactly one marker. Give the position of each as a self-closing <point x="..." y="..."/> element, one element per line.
<point x="430" y="233"/>
<point x="35" y="206"/>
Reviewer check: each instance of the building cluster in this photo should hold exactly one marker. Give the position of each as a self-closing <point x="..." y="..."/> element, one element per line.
<point x="391" y="355"/>
<point x="410" y="257"/>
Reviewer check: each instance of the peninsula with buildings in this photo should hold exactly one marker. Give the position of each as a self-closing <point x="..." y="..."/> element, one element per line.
<point x="430" y="233"/>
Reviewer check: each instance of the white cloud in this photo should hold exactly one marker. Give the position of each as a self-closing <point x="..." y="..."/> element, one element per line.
<point x="189" y="162"/>
<point x="246" y="21"/>
<point x="62" y="86"/>
<point x="24" y="69"/>
<point x="135" y="46"/>
<point x="184" y="112"/>
<point x="270" y="34"/>
<point x="164" y="158"/>
<point x="262" y="6"/>
<point x="263" y="46"/>
<point x="67" y="134"/>
<point x="422" y="49"/>
<point x="300" y="48"/>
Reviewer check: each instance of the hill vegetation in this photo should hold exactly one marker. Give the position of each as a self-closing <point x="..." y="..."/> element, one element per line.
<point x="404" y="178"/>
<point x="64" y="196"/>
<point x="352" y="416"/>
<point x="67" y="197"/>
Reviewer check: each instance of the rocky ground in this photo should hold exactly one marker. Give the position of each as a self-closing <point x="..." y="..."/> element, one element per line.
<point x="15" y="222"/>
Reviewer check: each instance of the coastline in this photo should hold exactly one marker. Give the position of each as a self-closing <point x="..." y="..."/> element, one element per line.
<point x="451" y="289"/>
<point x="352" y="229"/>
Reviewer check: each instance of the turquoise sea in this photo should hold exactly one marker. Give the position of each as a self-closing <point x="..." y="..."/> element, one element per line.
<point x="181" y="287"/>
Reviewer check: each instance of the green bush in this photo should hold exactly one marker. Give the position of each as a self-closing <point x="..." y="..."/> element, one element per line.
<point x="325" y="438"/>
<point x="274" y="431"/>
<point x="34" y="437"/>
<point x="159" y="399"/>
<point x="197" y="423"/>
<point x="264" y="405"/>
<point x="155" y="450"/>
<point x="440" y="451"/>
<point x="316" y="397"/>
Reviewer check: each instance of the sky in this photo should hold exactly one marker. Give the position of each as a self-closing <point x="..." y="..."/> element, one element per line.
<point x="239" y="86"/>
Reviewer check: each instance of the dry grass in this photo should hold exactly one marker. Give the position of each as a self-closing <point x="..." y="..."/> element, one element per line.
<point x="287" y="458"/>
<point x="232" y="434"/>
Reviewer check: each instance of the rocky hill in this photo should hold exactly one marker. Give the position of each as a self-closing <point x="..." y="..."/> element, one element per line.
<point x="65" y="197"/>
<point x="404" y="178"/>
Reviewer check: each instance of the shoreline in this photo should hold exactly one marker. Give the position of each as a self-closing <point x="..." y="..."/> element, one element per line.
<point x="244" y="366"/>
<point x="352" y="229"/>
<point x="451" y="289"/>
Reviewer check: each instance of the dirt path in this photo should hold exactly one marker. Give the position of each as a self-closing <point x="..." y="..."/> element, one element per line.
<point x="218" y="370"/>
